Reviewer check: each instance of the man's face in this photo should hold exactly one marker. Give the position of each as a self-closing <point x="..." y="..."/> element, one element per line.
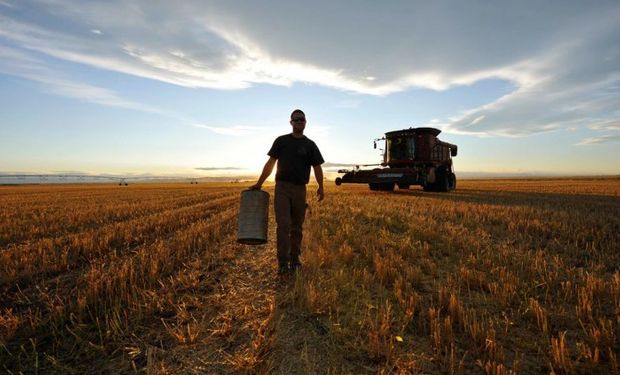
<point x="298" y="121"/>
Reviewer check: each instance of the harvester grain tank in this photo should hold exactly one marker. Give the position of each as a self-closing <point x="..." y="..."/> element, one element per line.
<point x="413" y="156"/>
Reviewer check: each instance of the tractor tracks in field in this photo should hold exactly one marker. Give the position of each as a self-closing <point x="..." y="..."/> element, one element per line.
<point x="56" y="256"/>
<point x="249" y="321"/>
<point x="102" y="220"/>
<point x="115" y="283"/>
<point x="236" y="317"/>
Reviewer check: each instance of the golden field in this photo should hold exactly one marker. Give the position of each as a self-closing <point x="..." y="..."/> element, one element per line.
<point x="497" y="277"/>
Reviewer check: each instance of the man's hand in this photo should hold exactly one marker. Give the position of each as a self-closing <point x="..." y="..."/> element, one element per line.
<point x="318" y="174"/>
<point x="320" y="194"/>
<point x="256" y="186"/>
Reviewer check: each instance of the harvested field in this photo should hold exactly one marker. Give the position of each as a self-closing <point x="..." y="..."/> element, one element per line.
<point x="498" y="277"/>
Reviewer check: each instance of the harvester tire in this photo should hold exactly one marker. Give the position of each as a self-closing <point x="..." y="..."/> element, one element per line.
<point x="452" y="181"/>
<point x="338" y="181"/>
<point x="443" y="180"/>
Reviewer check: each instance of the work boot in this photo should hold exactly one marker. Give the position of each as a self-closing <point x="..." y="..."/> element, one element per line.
<point x="282" y="270"/>
<point x="296" y="267"/>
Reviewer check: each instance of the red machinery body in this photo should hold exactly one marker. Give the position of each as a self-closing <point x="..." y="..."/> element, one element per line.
<point x="413" y="156"/>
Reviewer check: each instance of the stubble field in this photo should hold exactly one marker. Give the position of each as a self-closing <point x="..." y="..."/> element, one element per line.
<point x="498" y="277"/>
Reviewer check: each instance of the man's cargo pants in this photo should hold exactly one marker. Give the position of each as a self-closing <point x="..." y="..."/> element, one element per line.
<point x="290" y="209"/>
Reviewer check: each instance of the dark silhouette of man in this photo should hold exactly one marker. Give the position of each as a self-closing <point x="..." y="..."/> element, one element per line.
<point x="295" y="154"/>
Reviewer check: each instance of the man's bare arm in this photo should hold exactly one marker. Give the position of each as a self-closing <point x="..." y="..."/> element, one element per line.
<point x="267" y="169"/>
<point x="318" y="174"/>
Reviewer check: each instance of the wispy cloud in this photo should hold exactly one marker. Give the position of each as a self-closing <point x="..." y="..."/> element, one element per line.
<point x="331" y="166"/>
<point x="17" y="63"/>
<point x="328" y="164"/>
<point x="612" y="124"/>
<point x="600" y="139"/>
<point x="71" y="172"/>
<point x="236" y="131"/>
<point x="562" y="59"/>
<point x="349" y="104"/>
<point x="477" y="120"/>
<point x="220" y="169"/>
<point x="556" y="95"/>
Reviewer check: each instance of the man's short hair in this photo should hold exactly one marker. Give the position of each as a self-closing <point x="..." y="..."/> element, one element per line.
<point x="297" y="111"/>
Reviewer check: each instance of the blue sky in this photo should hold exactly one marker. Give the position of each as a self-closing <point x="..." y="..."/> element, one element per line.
<point x="171" y="87"/>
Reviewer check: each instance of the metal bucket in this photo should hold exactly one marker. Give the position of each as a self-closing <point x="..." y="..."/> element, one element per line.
<point x="253" y="217"/>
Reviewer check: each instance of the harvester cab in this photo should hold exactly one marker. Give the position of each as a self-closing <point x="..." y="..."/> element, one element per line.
<point x="413" y="156"/>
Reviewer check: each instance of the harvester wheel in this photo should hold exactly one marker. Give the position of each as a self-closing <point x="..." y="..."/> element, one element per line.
<point x="452" y="181"/>
<point x="443" y="180"/>
<point x="338" y="181"/>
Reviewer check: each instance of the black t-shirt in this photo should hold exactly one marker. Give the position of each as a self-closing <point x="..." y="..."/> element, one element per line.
<point x="295" y="156"/>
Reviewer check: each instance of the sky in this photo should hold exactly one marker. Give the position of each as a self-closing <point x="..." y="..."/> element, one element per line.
<point x="202" y="88"/>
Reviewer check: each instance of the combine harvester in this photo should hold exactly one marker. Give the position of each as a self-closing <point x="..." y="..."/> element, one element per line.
<point x="413" y="156"/>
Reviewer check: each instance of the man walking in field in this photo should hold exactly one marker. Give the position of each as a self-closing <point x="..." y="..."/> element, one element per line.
<point x="295" y="153"/>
